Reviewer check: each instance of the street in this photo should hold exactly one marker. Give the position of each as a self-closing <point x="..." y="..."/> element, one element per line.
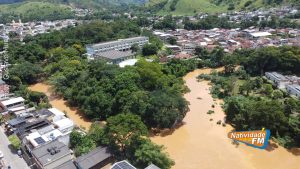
<point x="10" y="157"/>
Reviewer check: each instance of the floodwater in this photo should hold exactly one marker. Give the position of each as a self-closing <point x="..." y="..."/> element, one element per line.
<point x="202" y="144"/>
<point x="62" y="105"/>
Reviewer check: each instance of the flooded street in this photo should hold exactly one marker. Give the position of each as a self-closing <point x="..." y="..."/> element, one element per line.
<point x="202" y="144"/>
<point x="59" y="103"/>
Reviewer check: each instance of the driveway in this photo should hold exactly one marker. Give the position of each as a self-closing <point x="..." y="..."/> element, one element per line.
<point x="10" y="157"/>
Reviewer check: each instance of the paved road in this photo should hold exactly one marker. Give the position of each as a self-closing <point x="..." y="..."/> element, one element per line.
<point x="10" y="157"/>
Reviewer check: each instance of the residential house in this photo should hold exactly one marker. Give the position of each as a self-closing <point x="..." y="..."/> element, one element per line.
<point x="95" y="159"/>
<point x="12" y="103"/>
<point x="51" y="155"/>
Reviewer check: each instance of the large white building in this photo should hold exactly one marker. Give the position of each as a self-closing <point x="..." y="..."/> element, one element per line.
<point x="278" y="79"/>
<point x="120" y="45"/>
<point x="293" y="89"/>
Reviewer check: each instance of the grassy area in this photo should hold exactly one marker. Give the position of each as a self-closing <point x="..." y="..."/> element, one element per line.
<point x="27" y="7"/>
<point x="190" y="7"/>
<point x="34" y="11"/>
<point x="236" y="88"/>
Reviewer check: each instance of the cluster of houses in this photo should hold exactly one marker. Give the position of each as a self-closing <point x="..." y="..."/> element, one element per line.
<point x="262" y="14"/>
<point x="291" y="84"/>
<point x="44" y="134"/>
<point x="33" y="28"/>
<point x="229" y="39"/>
<point x="45" y="137"/>
<point x="81" y="12"/>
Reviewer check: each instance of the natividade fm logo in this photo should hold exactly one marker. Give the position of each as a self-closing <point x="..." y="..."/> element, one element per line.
<point x="258" y="139"/>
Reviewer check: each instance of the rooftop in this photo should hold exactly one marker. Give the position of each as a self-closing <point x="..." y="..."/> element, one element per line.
<point x="260" y="34"/>
<point x="122" y="165"/>
<point x="114" y="54"/>
<point x="119" y="40"/>
<point x="56" y="112"/>
<point x="64" y="123"/>
<point x="94" y="157"/>
<point x="52" y="152"/>
<point x="152" y="166"/>
<point x="12" y="101"/>
<point x="67" y="165"/>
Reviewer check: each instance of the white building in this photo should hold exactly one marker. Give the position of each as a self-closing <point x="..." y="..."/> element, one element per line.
<point x="278" y="79"/>
<point x="65" y="125"/>
<point x="121" y="45"/>
<point x="12" y="103"/>
<point x="256" y="35"/>
<point x="293" y="89"/>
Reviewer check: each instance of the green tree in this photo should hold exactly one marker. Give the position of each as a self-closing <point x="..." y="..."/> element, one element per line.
<point x="149" y="153"/>
<point x="81" y="143"/>
<point x="166" y="113"/>
<point x="135" y="47"/>
<point x="96" y="133"/>
<point x="15" y="141"/>
<point x="149" y="49"/>
<point x="150" y="73"/>
<point x="122" y="130"/>
<point x="1" y="45"/>
<point x="28" y="73"/>
<point x="267" y="89"/>
<point x="277" y="94"/>
<point x="172" y="41"/>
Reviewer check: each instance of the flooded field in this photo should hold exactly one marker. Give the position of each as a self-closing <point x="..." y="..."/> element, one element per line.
<point x="62" y="105"/>
<point x="202" y="144"/>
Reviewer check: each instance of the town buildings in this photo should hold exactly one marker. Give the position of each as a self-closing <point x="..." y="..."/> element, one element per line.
<point x="230" y="39"/>
<point x="34" y="28"/>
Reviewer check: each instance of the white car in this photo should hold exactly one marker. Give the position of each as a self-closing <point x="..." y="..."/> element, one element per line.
<point x="1" y="155"/>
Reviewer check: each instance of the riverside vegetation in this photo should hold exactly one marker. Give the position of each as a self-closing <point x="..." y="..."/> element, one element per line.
<point x="251" y="102"/>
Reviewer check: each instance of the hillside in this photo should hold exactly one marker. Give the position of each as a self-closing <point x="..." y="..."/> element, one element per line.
<point x="34" y="11"/>
<point x="100" y="3"/>
<point x="189" y="7"/>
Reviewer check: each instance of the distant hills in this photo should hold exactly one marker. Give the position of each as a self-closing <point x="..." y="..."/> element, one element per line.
<point x="184" y="7"/>
<point x="30" y="10"/>
<point x="81" y="3"/>
<point x="60" y="9"/>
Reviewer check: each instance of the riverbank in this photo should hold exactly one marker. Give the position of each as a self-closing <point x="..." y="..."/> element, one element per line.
<point x="201" y="143"/>
<point x="59" y="103"/>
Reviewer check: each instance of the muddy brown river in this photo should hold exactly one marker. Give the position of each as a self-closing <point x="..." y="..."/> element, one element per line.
<point x="61" y="104"/>
<point x="202" y="144"/>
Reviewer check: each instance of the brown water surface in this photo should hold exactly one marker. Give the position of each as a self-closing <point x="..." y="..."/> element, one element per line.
<point x="61" y="104"/>
<point x="202" y="144"/>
